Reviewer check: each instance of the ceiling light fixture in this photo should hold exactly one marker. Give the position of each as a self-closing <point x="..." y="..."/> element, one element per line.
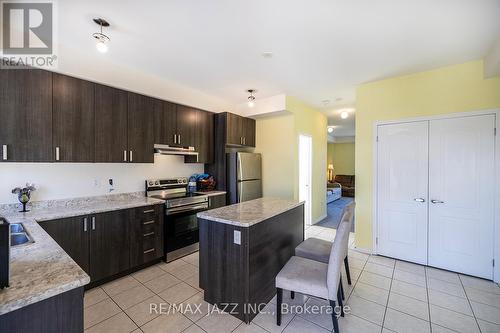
<point x="102" y="39"/>
<point x="251" y="98"/>
<point x="344" y="114"/>
<point x="330" y="129"/>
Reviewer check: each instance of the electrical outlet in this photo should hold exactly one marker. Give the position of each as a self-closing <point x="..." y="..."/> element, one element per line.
<point x="237" y="237"/>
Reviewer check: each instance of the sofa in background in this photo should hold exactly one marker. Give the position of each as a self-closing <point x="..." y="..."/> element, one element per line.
<point x="347" y="183"/>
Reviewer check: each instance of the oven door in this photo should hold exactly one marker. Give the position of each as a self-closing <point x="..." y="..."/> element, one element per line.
<point x="181" y="227"/>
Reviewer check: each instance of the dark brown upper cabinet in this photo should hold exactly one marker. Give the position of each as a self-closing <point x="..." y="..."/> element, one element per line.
<point x="186" y="126"/>
<point x="165" y="124"/>
<point x="141" y="111"/>
<point x="204" y="138"/>
<point x="72" y="119"/>
<point x="111" y="125"/>
<point x="25" y="115"/>
<point x="240" y="131"/>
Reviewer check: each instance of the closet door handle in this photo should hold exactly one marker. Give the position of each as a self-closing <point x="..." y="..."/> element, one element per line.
<point x="437" y="201"/>
<point x="4" y="150"/>
<point x="419" y="199"/>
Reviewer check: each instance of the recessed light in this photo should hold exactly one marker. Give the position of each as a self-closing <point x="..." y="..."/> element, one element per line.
<point x="267" y="54"/>
<point x="330" y="129"/>
<point x="344" y="114"/>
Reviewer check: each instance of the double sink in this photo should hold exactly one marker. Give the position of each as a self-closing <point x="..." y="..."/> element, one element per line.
<point x="19" y="235"/>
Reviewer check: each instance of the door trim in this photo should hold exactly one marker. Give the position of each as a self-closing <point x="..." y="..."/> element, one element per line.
<point x="496" y="112"/>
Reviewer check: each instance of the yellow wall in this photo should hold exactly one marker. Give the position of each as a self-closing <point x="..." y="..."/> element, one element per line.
<point x="341" y="155"/>
<point x="277" y="141"/>
<point x="458" y="88"/>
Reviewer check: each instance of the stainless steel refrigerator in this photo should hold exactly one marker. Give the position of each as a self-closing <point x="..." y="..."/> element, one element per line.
<point x="244" y="176"/>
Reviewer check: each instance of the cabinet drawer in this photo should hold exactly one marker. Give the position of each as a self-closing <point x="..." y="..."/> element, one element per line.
<point x="148" y="213"/>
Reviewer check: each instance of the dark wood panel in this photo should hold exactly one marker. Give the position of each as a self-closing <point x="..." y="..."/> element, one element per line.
<point x="110" y="124"/>
<point x="26" y="115"/>
<point x="109" y="244"/>
<point x="204" y="138"/>
<point x="70" y="234"/>
<point x="186" y="125"/>
<point x="145" y="235"/>
<point x="272" y="244"/>
<point x="246" y="273"/>
<point x="73" y="119"/>
<point x="218" y="167"/>
<point x="140" y="128"/>
<point x="216" y="201"/>
<point x="234" y="129"/>
<point x="165" y="123"/>
<point x="223" y="265"/>
<point x="249" y="132"/>
<point x="60" y="313"/>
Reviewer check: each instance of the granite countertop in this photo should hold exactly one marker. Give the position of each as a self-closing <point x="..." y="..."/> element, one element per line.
<point x="211" y="193"/>
<point x="43" y="269"/>
<point x="251" y="212"/>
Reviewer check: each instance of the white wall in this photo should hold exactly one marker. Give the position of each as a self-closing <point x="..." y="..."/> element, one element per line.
<point x="71" y="180"/>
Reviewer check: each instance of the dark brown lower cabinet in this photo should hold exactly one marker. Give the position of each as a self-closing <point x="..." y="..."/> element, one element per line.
<point x="107" y="244"/>
<point x="72" y="234"/>
<point x="216" y="201"/>
<point x="60" y="313"/>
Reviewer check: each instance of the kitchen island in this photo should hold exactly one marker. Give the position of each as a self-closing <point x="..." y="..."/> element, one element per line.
<point x="242" y="249"/>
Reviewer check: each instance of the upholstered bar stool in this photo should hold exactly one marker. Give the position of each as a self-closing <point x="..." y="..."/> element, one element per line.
<point x="319" y="249"/>
<point x="315" y="278"/>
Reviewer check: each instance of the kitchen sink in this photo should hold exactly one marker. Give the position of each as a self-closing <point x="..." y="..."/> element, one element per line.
<point x="16" y="228"/>
<point x="19" y="235"/>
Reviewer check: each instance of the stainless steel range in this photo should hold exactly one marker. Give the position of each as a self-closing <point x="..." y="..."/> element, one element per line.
<point x="181" y="207"/>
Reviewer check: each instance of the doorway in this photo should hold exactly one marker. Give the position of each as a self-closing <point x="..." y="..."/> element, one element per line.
<point x="305" y="175"/>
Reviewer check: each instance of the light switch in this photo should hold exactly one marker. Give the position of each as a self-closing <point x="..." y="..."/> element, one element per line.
<point x="237" y="237"/>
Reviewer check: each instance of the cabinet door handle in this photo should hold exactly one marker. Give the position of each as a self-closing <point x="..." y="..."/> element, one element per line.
<point x="244" y="140"/>
<point x="4" y="149"/>
<point x="150" y="250"/>
<point x="149" y="234"/>
<point x="179" y="137"/>
<point x="437" y="201"/>
<point x="148" y="211"/>
<point x="131" y="156"/>
<point x="57" y="154"/>
<point x="175" y="138"/>
<point x="419" y="200"/>
<point x="85" y="220"/>
<point x="148" y="222"/>
<point x="93" y="222"/>
<point x="124" y="156"/>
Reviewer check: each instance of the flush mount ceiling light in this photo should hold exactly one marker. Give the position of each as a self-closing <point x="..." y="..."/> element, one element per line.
<point x="251" y="98"/>
<point x="102" y="40"/>
<point x="344" y="114"/>
<point x="330" y="129"/>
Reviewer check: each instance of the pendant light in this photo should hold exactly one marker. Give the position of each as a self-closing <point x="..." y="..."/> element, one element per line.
<point x="102" y="40"/>
<point x="251" y="98"/>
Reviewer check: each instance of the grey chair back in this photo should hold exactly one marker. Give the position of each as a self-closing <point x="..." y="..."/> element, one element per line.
<point x="348" y="220"/>
<point x="336" y="260"/>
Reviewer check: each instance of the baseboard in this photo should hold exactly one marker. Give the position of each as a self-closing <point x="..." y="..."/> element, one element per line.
<point x="363" y="250"/>
<point x="319" y="219"/>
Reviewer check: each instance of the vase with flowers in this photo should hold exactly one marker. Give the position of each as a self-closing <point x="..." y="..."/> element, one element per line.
<point x="24" y="195"/>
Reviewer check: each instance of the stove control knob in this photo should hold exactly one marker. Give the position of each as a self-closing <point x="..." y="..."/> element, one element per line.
<point x="184" y="181"/>
<point x="157" y="183"/>
<point x="151" y="183"/>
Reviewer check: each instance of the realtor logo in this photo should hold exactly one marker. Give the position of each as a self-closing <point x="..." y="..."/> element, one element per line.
<point x="27" y="34"/>
<point x="27" y="28"/>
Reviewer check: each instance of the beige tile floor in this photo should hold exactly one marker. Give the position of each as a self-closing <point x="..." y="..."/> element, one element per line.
<point x="386" y="296"/>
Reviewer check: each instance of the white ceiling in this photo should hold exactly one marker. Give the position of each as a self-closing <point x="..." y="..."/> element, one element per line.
<point x="321" y="49"/>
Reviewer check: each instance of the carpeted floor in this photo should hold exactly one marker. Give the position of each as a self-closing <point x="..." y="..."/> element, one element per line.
<point x="334" y="213"/>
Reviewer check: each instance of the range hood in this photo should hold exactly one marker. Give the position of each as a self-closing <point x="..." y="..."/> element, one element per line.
<point x="171" y="150"/>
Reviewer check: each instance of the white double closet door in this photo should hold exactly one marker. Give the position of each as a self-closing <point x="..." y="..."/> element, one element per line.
<point x="435" y="193"/>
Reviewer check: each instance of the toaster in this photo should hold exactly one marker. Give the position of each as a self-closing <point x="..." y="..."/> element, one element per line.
<point x="4" y="252"/>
